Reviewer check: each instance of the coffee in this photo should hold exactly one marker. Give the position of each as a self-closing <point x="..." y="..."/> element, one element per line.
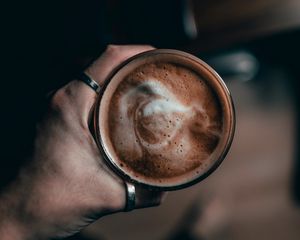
<point x="161" y="122"/>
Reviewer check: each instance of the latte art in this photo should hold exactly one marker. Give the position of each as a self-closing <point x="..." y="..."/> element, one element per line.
<point x="164" y="122"/>
<point x="152" y="109"/>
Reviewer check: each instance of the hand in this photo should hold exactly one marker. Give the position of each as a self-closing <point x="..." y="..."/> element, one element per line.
<point x="67" y="184"/>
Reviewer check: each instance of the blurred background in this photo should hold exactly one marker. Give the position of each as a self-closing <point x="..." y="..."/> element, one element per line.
<point x="254" y="45"/>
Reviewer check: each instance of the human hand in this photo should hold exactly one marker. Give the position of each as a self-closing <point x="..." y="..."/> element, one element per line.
<point x="67" y="184"/>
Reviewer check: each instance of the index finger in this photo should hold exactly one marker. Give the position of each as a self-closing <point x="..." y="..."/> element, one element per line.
<point x="111" y="58"/>
<point x="82" y="96"/>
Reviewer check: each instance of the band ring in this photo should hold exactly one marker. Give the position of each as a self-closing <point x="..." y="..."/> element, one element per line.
<point x="130" y="196"/>
<point x="89" y="81"/>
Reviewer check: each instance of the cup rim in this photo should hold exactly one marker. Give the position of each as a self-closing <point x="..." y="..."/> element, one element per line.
<point x="122" y="174"/>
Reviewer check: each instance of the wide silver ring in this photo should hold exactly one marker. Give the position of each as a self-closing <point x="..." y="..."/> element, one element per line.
<point x="89" y="81"/>
<point x="130" y="197"/>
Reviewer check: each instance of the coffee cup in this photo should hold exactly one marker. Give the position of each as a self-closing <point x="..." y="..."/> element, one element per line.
<point x="164" y="119"/>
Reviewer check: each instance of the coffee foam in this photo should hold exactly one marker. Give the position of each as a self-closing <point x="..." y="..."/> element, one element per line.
<point x="164" y="122"/>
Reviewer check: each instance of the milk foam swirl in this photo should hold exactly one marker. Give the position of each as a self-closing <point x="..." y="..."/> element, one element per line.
<point x="154" y="108"/>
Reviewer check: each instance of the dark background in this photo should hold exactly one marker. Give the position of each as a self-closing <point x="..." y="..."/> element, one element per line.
<point x="46" y="43"/>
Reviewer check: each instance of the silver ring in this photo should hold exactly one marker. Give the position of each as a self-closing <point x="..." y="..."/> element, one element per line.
<point x="130" y="197"/>
<point x="89" y="81"/>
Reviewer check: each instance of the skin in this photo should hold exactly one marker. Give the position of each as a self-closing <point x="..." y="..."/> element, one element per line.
<point x="66" y="184"/>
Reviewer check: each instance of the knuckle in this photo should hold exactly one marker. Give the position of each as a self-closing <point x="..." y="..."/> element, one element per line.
<point x="111" y="48"/>
<point x="59" y="99"/>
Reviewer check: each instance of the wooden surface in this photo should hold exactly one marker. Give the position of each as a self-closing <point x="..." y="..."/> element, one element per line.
<point x="228" y="22"/>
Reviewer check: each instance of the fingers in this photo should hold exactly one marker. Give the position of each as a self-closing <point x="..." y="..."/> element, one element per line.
<point x="77" y="98"/>
<point x="111" y="58"/>
<point x="100" y="69"/>
<point x="80" y="95"/>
